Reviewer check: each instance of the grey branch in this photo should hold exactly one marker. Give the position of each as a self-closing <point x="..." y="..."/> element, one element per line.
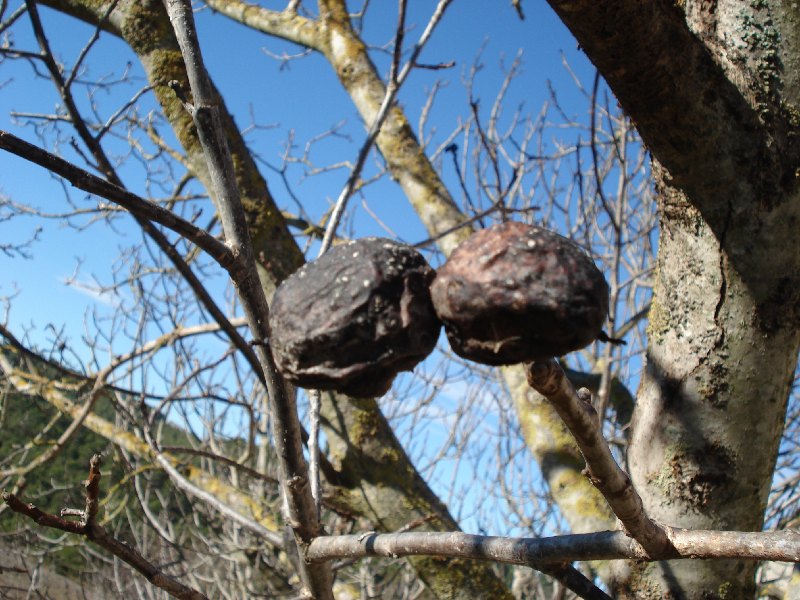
<point x="604" y="545"/>
<point x="287" y="432"/>
<point x="548" y="378"/>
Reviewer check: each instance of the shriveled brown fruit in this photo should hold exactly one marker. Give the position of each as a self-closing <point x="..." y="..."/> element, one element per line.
<point x="354" y="318"/>
<point x="514" y="293"/>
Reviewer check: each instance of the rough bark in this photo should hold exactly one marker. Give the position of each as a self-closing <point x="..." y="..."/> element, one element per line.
<point x="711" y="88"/>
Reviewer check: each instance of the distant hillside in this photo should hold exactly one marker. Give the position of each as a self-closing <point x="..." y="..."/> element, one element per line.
<point x="51" y="487"/>
<point x="17" y="572"/>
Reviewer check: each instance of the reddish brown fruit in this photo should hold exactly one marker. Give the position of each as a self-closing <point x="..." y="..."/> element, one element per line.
<point x="354" y="318"/>
<point x="514" y="293"/>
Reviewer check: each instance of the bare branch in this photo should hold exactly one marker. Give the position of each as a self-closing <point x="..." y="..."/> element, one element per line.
<point x="194" y="483"/>
<point x="286" y="24"/>
<point x="397" y="78"/>
<point x="136" y="205"/>
<point x="286" y="427"/>
<point x="223" y="508"/>
<point x="604" y="545"/>
<point x="575" y="409"/>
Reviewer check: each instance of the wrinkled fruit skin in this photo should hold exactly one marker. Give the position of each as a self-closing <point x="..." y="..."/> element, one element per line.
<point x="515" y="293"/>
<point x="354" y="318"/>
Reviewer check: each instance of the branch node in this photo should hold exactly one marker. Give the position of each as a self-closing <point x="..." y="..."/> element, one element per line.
<point x="296" y="483"/>
<point x="363" y="536"/>
<point x="177" y="88"/>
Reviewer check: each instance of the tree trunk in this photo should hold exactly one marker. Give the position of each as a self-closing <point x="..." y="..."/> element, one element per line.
<point x="713" y="89"/>
<point x="710" y="407"/>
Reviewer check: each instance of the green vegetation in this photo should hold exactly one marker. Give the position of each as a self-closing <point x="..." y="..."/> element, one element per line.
<point x="28" y="426"/>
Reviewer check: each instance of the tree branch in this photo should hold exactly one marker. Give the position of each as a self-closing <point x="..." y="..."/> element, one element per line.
<point x="604" y="545"/>
<point x="52" y="392"/>
<point x="575" y="409"/>
<point x="286" y="426"/>
<point x="286" y="24"/>
<point x="396" y="79"/>
<point x="136" y="205"/>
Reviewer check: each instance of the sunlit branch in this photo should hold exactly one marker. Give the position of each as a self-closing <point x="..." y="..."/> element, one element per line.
<point x="286" y="24"/>
<point x="548" y="378"/>
<point x="604" y="545"/>
<point x="397" y="77"/>
<point x="12" y="18"/>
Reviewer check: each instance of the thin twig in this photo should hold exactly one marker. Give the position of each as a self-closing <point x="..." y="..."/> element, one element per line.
<point x="595" y="158"/>
<point x="222" y="459"/>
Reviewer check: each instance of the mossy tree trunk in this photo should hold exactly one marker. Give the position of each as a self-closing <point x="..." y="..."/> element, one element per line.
<point x="713" y="89"/>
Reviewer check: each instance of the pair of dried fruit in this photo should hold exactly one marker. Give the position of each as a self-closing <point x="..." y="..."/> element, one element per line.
<point x="368" y="309"/>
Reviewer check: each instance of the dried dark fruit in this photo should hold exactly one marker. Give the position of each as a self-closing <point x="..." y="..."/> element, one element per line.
<point x="354" y="318"/>
<point x="514" y="293"/>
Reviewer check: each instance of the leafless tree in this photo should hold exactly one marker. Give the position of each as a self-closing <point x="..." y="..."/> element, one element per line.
<point x="207" y="490"/>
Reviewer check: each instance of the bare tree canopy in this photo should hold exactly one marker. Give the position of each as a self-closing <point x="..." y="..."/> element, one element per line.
<point x="609" y="263"/>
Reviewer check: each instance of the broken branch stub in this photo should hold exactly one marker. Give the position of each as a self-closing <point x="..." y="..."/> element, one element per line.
<point x="514" y="293"/>
<point x="354" y="318"/>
